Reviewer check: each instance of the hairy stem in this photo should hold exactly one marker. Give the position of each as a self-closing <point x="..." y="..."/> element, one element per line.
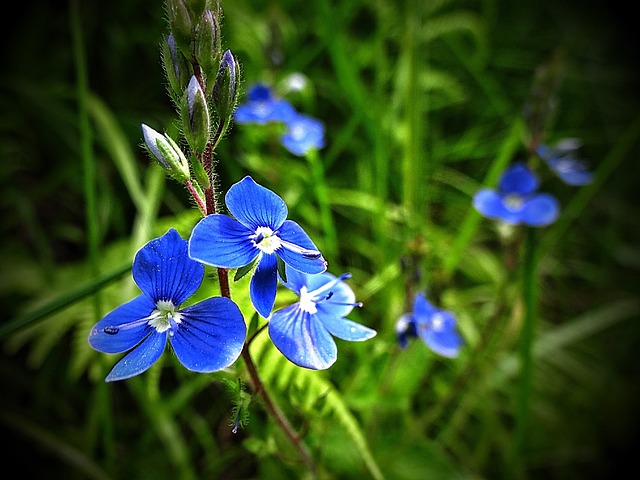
<point x="276" y="413"/>
<point x="223" y="277"/>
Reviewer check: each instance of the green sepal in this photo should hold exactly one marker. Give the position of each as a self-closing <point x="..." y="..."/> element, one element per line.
<point x="200" y="173"/>
<point x="195" y="116"/>
<point x="179" y="169"/>
<point x="225" y="89"/>
<point x="282" y="269"/>
<point x="253" y="325"/>
<point x="207" y="43"/>
<point x="180" y="23"/>
<point x="196" y="7"/>
<point x="242" y="271"/>
<point x="176" y="67"/>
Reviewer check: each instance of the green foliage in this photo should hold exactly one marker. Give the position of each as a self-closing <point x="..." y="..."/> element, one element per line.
<point x="423" y="104"/>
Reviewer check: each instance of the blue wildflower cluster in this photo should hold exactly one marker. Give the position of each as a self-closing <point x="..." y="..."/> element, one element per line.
<point x="303" y="132"/>
<point x="209" y="335"/>
<point x="517" y="199"/>
<point x="256" y="238"/>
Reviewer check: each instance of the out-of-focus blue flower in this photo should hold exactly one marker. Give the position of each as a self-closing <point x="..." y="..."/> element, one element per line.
<point x="304" y="331"/>
<point x="436" y="327"/>
<point x="206" y="336"/>
<point x="258" y="234"/>
<point x="263" y="106"/>
<point x="303" y="134"/>
<point x="516" y="200"/>
<point x="562" y="159"/>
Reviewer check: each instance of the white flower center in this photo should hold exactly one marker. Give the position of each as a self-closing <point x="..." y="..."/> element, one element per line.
<point x="307" y="301"/>
<point x="513" y="202"/>
<point x="265" y="240"/>
<point x="165" y="316"/>
<point x="297" y="132"/>
<point x="437" y="322"/>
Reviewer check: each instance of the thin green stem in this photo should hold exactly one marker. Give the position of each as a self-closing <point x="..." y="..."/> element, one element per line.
<point x="322" y="195"/>
<point x="467" y="230"/>
<point x="86" y="145"/>
<point x="530" y="297"/>
<point x="276" y="413"/>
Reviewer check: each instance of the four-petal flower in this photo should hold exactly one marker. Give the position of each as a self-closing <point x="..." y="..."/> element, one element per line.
<point x="516" y="200"/>
<point x="303" y="332"/>
<point x="436" y="327"/>
<point x="206" y="336"/>
<point x="263" y="107"/>
<point x="260" y="234"/>
<point x="303" y="134"/>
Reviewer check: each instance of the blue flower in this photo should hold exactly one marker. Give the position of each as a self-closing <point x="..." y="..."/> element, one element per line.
<point x="436" y="328"/>
<point x="259" y="234"/>
<point x="561" y="158"/>
<point x="206" y="336"/>
<point x="516" y="199"/>
<point x="304" y="331"/>
<point x="303" y="134"/>
<point x="263" y="107"/>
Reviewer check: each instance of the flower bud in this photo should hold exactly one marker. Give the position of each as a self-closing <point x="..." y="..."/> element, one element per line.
<point x="196" y="6"/>
<point x="180" y="24"/>
<point x="200" y="173"/>
<point x="208" y="42"/>
<point x="195" y="116"/>
<point x="167" y="153"/>
<point x="225" y="90"/>
<point x="176" y="66"/>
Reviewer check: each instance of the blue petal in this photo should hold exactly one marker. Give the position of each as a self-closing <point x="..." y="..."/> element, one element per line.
<point x="221" y="241"/>
<point x="572" y="171"/>
<point x="423" y="310"/>
<point x="344" y="328"/>
<point x="489" y="203"/>
<point x="295" y="280"/>
<point x="293" y="233"/>
<point x="140" y="358"/>
<point x="259" y="93"/>
<point x="342" y="298"/>
<point x="163" y="270"/>
<point x="123" y="337"/>
<point x="264" y="282"/>
<point x="303" y="134"/>
<point x="302" y="339"/>
<point x="518" y="179"/>
<point x="210" y="336"/>
<point x="255" y="206"/>
<point x="445" y="342"/>
<point x="541" y="210"/>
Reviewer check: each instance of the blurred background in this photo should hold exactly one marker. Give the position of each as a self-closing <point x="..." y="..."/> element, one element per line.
<point x="424" y="102"/>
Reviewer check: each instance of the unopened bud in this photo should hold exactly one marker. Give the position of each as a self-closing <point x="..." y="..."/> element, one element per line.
<point x="196" y="7"/>
<point x="208" y="42"/>
<point x="180" y="24"/>
<point x="225" y="90"/>
<point x="195" y="116"/>
<point x="175" y="65"/>
<point x="200" y="173"/>
<point x="167" y="153"/>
